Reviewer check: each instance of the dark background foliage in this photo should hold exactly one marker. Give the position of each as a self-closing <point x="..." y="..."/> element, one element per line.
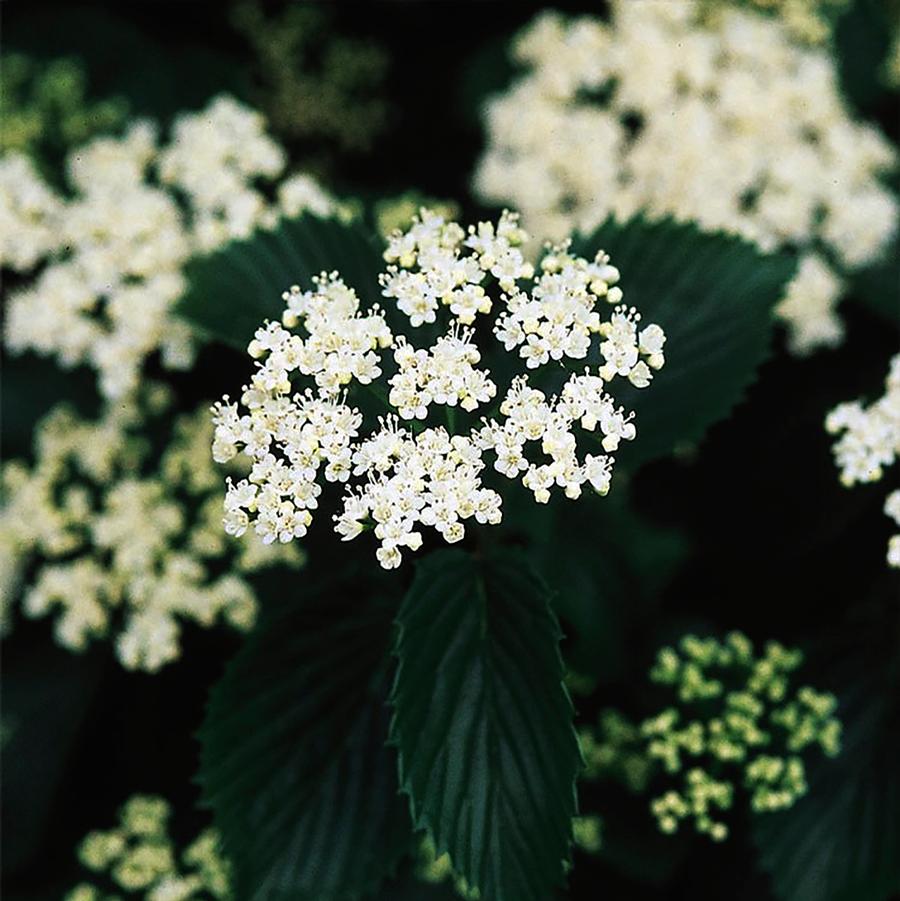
<point x="774" y="545"/>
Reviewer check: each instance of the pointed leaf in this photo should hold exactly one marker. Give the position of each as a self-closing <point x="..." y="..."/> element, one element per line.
<point x="294" y="763"/>
<point x="483" y="724"/>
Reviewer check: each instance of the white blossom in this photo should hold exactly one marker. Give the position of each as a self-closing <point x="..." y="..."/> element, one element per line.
<point x="433" y="263"/>
<point x="720" y="119"/>
<point x="809" y="306"/>
<point x="445" y="374"/>
<point x="29" y="214"/>
<point x="557" y="319"/>
<point x="341" y="343"/>
<point x="113" y="253"/>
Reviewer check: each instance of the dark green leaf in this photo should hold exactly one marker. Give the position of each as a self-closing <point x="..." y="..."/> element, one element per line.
<point x="407" y="886"/>
<point x="713" y="294"/>
<point x="232" y="291"/>
<point x="483" y="724"/>
<point x="294" y="763"/>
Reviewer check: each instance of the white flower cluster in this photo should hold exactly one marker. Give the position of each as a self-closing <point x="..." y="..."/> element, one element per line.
<point x="115" y="550"/>
<point x="341" y="339"/>
<point x="428" y="269"/>
<point x="722" y="120"/>
<point x="431" y="474"/>
<point x="870" y="441"/>
<point x="214" y="158"/>
<point x="432" y="479"/>
<point x="530" y="417"/>
<point x="446" y="374"/>
<point x="141" y="859"/>
<point x="112" y="253"/>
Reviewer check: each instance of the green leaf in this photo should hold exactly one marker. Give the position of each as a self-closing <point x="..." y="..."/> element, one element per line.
<point x="713" y="294"/>
<point x="231" y="291"/>
<point x="294" y="763"/>
<point x="483" y="724"/>
<point x="409" y="887"/>
<point x="840" y="842"/>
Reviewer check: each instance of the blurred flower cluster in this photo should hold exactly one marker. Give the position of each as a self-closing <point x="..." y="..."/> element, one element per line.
<point x="809" y="21"/>
<point x="313" y="84"/>
<point x="140" y="858"/>
<point x="103" y="266"/>
<point x="723" y="120"/>
<point x="117" y="546"/>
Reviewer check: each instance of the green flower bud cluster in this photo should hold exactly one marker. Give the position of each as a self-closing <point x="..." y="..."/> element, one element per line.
<point x="736" y="724"/>
<point x="735" y="710"/>
<point x="45" y="104"/>
<point x="700" y="795"/>
<point x="140" y="857"/>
